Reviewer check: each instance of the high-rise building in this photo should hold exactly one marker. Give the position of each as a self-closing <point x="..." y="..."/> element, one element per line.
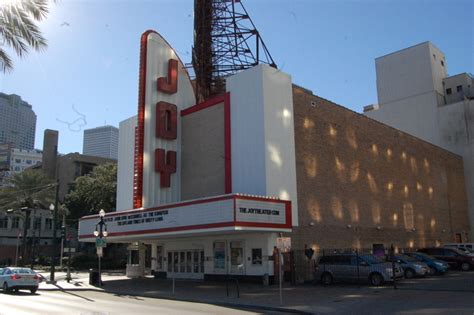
<point x="17" y="122"/>
<point x="101" y="142"/>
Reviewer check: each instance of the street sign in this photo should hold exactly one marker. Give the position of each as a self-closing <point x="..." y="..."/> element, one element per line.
<point x="100" y="252"/>
<point x="284" y="244"/>
<point x="100" y="242"/>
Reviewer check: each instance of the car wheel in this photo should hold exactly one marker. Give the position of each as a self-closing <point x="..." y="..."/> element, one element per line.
<point x="432" y="271"/>
<point x="326" y="278"/>
<point x="5" y="287"/>
<point x="376" y="279"/>
<point x="465" y="267"/>
<point x="409" y="273"/>
<point x="33" y="291"/>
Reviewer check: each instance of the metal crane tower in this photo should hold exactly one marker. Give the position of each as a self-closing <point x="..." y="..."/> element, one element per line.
<point x="225" y="42"/>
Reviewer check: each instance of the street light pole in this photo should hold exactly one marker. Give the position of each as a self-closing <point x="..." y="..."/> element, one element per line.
<point x="55" y="223"/>
<point x="100" y="233"/>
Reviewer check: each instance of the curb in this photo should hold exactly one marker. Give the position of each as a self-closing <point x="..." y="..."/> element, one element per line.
<point x="224" y="304"/>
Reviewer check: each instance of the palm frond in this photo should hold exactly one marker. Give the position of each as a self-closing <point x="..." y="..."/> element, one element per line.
<point x="19" y="30"/>
<point x="6" y="63"/>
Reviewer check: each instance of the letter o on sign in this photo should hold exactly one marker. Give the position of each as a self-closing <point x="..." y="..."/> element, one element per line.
<point x="166" y="121"/>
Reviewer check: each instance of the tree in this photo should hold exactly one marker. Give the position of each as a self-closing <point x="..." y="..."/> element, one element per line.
<point x="18" y="28"/>
<point x="31" y="189"/>
<point x="93" y="192"/>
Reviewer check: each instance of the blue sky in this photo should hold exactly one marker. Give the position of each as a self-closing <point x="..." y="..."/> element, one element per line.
<point x="88" y="76"/>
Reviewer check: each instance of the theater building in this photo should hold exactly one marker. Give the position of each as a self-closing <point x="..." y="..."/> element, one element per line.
<point x="209" y="188"/>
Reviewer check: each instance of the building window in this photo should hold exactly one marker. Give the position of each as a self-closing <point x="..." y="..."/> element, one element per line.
<point x="442" y="63"/>
<point x="434" y="56"/>
<point x="28" y="161"/>
<point x="448" y="91"/>
<point x="17" y="160"/>
<point x="48" y="224"/>
<point x="3" y="222"/>
<point x="15" y="222"/>
<point x="37" y="224"/>
<point x="17" y="169"/>
<point x="459" y="88"/>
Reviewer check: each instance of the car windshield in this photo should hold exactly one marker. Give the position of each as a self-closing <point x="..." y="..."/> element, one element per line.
<point x="458" y="251"/>
<point x="407" y="258"/>
<point x="371" y="259"/>
<point x="423" y="255"/>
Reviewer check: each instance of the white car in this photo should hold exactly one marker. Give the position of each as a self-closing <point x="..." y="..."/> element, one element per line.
<point x="18" y="278"/>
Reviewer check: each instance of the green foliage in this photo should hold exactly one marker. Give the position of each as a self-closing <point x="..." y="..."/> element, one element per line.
<point x="93" y="192"/>
<point x="31" y="188"/>
<point x="18" y="29"/>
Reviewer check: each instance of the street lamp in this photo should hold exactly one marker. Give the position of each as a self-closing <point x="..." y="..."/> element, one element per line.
<point x="100" y="233"/>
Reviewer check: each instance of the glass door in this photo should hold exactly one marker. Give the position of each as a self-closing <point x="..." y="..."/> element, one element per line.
<point x="237" y="260"/>
<point x="186" y="264"/>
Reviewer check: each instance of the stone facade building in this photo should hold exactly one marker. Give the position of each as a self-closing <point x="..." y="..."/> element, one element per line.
<point x="361" y="182"/>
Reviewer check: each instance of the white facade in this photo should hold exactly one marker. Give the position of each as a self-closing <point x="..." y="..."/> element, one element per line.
<point x="101" y="142"/>
<point x="416" y="96"/>
<point x="263" y="145"/>
<point x="20" y="160"/>
<point x="23" y="159"/>
<point x="125" y="163"/>
<point x="410" y="72"/>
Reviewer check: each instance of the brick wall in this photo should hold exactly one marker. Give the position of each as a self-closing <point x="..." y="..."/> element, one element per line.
<point x="361" y="182"/>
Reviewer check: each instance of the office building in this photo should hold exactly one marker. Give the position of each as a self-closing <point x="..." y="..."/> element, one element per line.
<point x="17" y="122"/>
<point x="101" y="142"/>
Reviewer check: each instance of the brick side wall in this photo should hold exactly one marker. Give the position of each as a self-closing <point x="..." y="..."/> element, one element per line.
<point x="361" y="182"/>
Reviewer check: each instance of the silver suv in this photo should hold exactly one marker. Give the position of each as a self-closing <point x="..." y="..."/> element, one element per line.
<point x="352" y="267"/>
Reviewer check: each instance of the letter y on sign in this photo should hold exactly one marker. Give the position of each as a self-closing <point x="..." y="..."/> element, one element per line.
<point x="165" y="167"/>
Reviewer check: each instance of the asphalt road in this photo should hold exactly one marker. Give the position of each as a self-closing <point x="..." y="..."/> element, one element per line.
<point x="98" y="303"/>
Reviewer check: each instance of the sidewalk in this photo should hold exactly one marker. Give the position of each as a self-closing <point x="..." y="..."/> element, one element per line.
<point x="296" y="299"/>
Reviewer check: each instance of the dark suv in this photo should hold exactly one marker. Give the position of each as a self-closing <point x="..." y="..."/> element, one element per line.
<point x="454" y="257"/>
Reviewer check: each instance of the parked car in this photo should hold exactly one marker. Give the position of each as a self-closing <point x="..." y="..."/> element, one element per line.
<point x="466" y="246"/>
<point x="18" y="278"/>
<point x="436" y="266"/>
<point x="453" y="256"/>
<point x="462" y="247"/>
<point x="351" y="268"/>
<point x="411" y="266"/>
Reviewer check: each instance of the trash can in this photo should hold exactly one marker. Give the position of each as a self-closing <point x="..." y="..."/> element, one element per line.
<point x="93" y="277"/>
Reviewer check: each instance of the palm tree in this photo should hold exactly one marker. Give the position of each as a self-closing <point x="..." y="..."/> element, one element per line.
<point x="18" y="29"/>
<point x="31" y="189"/>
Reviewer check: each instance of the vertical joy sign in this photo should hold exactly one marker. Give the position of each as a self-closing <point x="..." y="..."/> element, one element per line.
<point x="167" y="125"/>
<point x="164" y="90"/>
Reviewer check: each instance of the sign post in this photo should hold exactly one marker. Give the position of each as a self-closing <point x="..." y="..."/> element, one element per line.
<point x="283" y="246"/>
